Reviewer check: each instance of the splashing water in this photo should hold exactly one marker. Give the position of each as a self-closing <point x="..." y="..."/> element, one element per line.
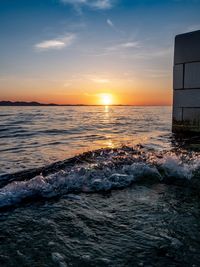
<point x="107" y="169"/>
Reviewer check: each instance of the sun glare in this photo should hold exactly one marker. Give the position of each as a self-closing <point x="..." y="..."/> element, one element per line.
<point x="106" y="99"/>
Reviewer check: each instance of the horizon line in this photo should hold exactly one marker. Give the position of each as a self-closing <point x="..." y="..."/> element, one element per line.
<point x="35" y="103"/>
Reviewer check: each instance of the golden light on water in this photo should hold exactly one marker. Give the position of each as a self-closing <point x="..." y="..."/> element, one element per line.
<point x="106" y="99"/>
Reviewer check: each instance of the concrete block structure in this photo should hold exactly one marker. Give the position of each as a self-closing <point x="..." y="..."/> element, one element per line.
<point x="186" y="99"/>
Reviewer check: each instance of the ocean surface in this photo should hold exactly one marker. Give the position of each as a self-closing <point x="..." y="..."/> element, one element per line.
<point x="36" y="136"/>
<point x="97" y="186"/>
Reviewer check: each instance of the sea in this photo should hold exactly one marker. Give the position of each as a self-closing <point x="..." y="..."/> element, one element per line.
<point x="97" y="186"/>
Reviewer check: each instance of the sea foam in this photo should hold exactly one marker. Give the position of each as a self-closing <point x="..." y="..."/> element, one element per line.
<point x="109" y="170"/>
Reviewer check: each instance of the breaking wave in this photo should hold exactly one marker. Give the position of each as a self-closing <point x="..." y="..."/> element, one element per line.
<point x="102" y="171"/>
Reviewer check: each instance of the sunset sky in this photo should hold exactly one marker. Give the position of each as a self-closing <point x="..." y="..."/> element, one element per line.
<point x="78" y="51"/>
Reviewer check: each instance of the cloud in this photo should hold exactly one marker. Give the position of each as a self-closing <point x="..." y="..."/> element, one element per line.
<point x="118" y="48"/>
<point x="110" y="23"/>
<point x="96" y="4"/>
<point x="130" y="45"/>
<point x="57" y="43"/>
<point x="100" y="80"/>
<point x="125" y="45"/>
<point x="102" y="4"/>
<point x="95" y="78"/>
<point x="152" y="53"/>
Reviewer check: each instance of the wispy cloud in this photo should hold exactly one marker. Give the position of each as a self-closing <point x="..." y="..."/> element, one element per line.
<point x="130" y="45"/>
<point x="149" y="54"/>
<point x="96" y="4"/>
<point x="96" y="79"/>
<point x="125" y="45"/>
<point x="120" y="48"/>
<point x="57" y="43"/>
<point x="110" y="23"/>
<point x="100" y="80"/>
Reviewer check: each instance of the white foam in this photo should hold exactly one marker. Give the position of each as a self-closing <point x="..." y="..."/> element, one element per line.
<point x="92" y="178"/>
<point x="174" y="167"/>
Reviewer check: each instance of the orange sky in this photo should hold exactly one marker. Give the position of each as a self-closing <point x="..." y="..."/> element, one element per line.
<point x="141" y="91"/>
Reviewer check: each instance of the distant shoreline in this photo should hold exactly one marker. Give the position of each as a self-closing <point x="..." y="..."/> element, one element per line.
<point x="37" y="104"/>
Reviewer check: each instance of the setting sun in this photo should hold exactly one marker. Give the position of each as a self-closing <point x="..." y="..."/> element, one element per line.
<point x="106" y="99"/>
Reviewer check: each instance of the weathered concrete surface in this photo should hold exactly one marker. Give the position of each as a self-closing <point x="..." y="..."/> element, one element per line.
<point x="187" y="47"/>
<point x="192" y="75"/>
<point x="178" y="76"/>
<point x="187" y="98"/>
<point x="186" y="102"/>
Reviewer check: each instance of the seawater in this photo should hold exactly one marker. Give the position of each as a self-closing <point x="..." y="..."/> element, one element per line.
<point x="36" y="136"/>
<point x="97" y="186"/>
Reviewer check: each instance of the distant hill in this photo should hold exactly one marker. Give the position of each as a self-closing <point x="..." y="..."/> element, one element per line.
<point x="21" y="103"/>
<point x="37" y="104"/>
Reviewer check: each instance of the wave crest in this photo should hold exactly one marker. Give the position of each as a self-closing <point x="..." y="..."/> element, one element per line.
<point x="105" y="170"/>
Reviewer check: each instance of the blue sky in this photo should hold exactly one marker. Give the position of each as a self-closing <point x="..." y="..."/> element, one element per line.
<point x="71" y="50"/>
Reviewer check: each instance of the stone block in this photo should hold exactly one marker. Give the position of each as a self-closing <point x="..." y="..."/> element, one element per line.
<point x="187" y="47"/>
<point x="178" y="76"/>
<point x="192" y="115"/>
<point x="187" y="98"/>
<point x="192" y="75"/>
<point x="177" y="114"/>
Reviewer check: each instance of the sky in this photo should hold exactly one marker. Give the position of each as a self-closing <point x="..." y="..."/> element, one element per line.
<point x="79" y="51"/>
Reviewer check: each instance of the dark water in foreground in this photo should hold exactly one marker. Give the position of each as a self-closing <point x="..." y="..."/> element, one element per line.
<point x="135" y="205"/>
<point x="155" y="225"/>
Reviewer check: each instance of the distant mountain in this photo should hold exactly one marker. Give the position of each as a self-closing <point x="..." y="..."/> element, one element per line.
<point x="35" y="104"/>
<point x="21" y="103"/>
